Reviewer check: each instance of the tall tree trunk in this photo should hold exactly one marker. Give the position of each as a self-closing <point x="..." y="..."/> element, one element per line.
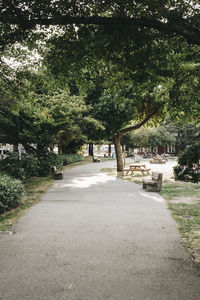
<point x="118" y="150"/>
<point x="91" y="152"/>
<point x="109" y="150"/>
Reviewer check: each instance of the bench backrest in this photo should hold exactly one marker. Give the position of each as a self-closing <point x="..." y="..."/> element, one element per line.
<point x="154" y="176"/>
<point x="157" y="176"/>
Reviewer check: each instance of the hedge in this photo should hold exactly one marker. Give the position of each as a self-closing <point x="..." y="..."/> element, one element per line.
<point x="70" y="158"/>
<point x="34" y="166"/>
<point x="11" y="191"/>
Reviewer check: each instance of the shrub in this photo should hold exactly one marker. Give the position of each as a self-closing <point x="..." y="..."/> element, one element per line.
<point x="11" y="191"/>
<point x="188" y="162"/>
<point x="34" y="166"/>
<point x="191" y="155"/>
<point x="29" y="165"/>
<point x="70" y="158"/>
<point x="21" y="169"/>
<point x="182" y="173"/>
<point x="13" y="167"/>
<point x="47" y="161"/>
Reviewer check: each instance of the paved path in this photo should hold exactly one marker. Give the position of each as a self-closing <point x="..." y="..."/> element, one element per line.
<point x="94" y="237"/>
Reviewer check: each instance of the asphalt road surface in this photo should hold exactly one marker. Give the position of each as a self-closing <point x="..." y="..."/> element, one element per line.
<point x="95" y="237"/>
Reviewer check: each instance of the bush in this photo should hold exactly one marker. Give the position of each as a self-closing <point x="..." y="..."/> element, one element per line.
<point x="21" y="169"/>
<point x="11" y="191"/>
<point x="190" y="156"/>
<point x="13" y="167"/>
<point x="188" y="163"/>
<point x="47" y="161"/>
<point x="70" y="158"/>
<point x="34" y="166"/>
<point x="29" y="165"/>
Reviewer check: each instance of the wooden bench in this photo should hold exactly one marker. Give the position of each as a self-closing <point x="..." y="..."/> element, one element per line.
<point x="57" y="174"/>
<point x="155" y="184"/>
<point x="96" y="159"/>
<point x="136" y="168"/>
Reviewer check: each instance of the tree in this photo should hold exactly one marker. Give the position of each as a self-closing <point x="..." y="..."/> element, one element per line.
<point x="43" y="117"/>
<point x="117" y="111"/>
<point x="121" y="92"/>
<point x="185" y="134"/>
<point x="128" y="44"/>
<point x="139" y="70"/>
<point x="170" y="17"/>
<point x="150" y="137"/>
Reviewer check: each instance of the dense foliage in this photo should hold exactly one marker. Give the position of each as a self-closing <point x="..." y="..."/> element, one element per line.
<point x="70" y="158"/>
<point x="131" y="62"/>
<point x="185" y="134"/>
<point x="11" y="191"/>
<point x="46" y="115"/>
<point x="33" y="166"/>
<point x="148" y="138"/>
<point x="188" y="168"/>
<point x="171" y="17"/>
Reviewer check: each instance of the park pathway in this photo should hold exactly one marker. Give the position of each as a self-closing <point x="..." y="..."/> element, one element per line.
<point x="95" y="237"/>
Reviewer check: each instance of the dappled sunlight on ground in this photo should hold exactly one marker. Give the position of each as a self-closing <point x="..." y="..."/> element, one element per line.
<point x="86" y="182"/>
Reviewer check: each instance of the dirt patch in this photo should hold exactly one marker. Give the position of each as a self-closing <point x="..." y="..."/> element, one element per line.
<point x="188" y="200"/>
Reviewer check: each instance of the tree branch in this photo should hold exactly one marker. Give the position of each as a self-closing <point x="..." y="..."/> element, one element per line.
<point x="137" y="126"/>
<point x="183" y="28"/>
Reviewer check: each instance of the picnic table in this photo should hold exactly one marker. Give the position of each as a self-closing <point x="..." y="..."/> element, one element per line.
<point x="158" y="160"/>
<point x="137" y="168"/>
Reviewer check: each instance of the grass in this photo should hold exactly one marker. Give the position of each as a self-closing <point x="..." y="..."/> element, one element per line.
<point x="34" y="190"/>
<point x="173" y="190"/>
<point x="183" y="200"/>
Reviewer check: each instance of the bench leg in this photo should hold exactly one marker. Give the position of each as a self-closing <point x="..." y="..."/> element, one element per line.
<point x="57" y="176"/>
<point x="152" y="188"/>
<point x="144" y="185"/>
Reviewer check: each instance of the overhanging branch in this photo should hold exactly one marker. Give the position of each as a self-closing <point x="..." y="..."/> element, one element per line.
<point x="183" y="28"/>
<point x="137" y="126"/>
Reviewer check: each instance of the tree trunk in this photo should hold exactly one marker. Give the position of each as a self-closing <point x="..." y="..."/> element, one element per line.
<point x="109" y="150"/>
<point x="91" y="152"/>
<point x="118" y="150"/>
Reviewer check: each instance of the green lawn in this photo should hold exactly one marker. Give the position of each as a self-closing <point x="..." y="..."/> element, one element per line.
<point x="183" y="200"/>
